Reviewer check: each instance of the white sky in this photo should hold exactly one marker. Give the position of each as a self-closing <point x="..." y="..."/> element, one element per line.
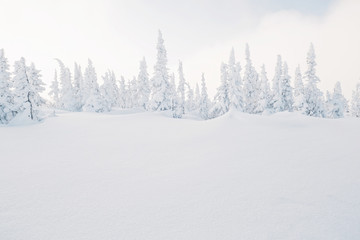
<point x="116" y="34"/>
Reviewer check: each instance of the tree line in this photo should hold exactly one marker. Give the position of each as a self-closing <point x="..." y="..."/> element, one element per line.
<point x="250" y="92"/>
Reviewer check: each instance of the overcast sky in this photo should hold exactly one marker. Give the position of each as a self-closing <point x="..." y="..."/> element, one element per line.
<point x="116" y="34"/>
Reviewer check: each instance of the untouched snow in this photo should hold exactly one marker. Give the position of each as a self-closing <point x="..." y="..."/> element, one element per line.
<point x="146" y="176"/>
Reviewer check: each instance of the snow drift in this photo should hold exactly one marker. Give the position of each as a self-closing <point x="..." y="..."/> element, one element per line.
<point x="146" y="176"/>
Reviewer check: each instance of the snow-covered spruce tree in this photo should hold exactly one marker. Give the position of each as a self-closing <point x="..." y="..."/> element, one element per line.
<point x="110" y="90"/>
<point x="128" y="95"/>
<point x="355" y="101"/>
<point x="190" y="99"/>
<point x="328" y="105"/>
<point x="94" y="101"/>
<point x="27" y="89"/>
<point x="160" y="94"/>
<point x="7" y="110"/>
<point x="133" y="92"/>
<point x="67" y="95"/>
<point x="265" y="94"/>
<point x="54" y="91"/>
<point x="173" y="92"/>
<point x="299" y="97"/>
<point x="234" y="83"/>
<point x="204" y="104"/>
<point x="122" y="93"/>
<point x="222" y="101"/>
<point x="287" y="99"/>
<point x="252" y="88"/>
<point x="276" y="103"/>
<point x="197" y="96"/>
<point x="143" y="85"/>
<point x="338" y="103"/>
<point x="180" y="100"/>
<point x="77" y="85"/>
<point x="314" y="103"/>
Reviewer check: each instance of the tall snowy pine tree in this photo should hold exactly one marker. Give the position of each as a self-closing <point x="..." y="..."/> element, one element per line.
<point x="234" y="83"/>
<point x="338" y="103"/>
<point x="161" y="94"/>
<point x="204" y="104"/>
<point x="27" y="89"/>
<point x="54" y="91"/>
<point x="287" y="99"/>
<point x="7" y="109"/>
<point x="355" y="101"/>
<point x="314" y="104"/>
<point x="143" y="85"/>
<point x="94" y="101"/>
<point x="222" y="100"/>
<point x="299" y="91"/>
<point x="252" y="86"/>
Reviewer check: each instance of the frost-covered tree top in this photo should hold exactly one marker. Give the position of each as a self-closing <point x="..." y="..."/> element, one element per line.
<point x="161" y="92"/>
<point x="4" y="71"/>
<point x="355" y="101"/>
<point x="310" y="73"/>
<point x="313" y="96"/>
<point x="234" y="83"/>
<point x="222" y="101"/>
<point x="298" y="83"/>
<point x="6" y="105"/>
<point x="299" y="91"/>
<point x="161" y="60"/>
<point x="204" y="103"/>
<point x="143" y="85"/>
<point x="181" y="88"/>
<point x="4" y="75"/>
<point x="27" y="85"/>
<point x="277" y="75"/>
<point x="336" y="103"/>
<point x="252" y="86"/>
<point x="265" y="94"/>
<point x="286" y="90"/>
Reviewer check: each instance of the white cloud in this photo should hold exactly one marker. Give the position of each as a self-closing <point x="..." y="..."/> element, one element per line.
<point x="116" y="34"/>
<point x="336" y="38"/>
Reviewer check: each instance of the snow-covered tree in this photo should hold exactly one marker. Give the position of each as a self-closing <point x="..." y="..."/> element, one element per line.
<point x="180" y="107"/>
<point x="355" y="101"/>
<point x="287" y="99"/>
<point x="94" y="102"/>
<point x="197" y="96"/>
<point x="110" y="90"/>
<point x="265" y="94"/>
<point x="276" y="92"/>
<point x="252" y="86"/>
<point x="222" y="101"/>
<point x="67" y="95"/>
<point x="299" y="91"/>
<point x="314" y="104"/>
<point x="122" y="93"/>
<point x="27" y="89"/>
<point x="6" y="99"/>
<point x="234" y="83"/>
<point x="204" y="105"/>
<point x="133" y="93"/>
<point x="161" y="94"/>
<point x="338" y="103"/>
<point x="77" y="86"/>
<point x="143" y="85"/>
<point x="190" y="99"/>
<point x="173" y="92"/>
<point x="54" y="91"/>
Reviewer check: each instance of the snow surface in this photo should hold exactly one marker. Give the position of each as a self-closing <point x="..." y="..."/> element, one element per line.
<point x="146" y="176"/>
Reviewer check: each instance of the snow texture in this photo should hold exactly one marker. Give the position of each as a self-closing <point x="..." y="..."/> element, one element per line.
<point x="147" y="176"/>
